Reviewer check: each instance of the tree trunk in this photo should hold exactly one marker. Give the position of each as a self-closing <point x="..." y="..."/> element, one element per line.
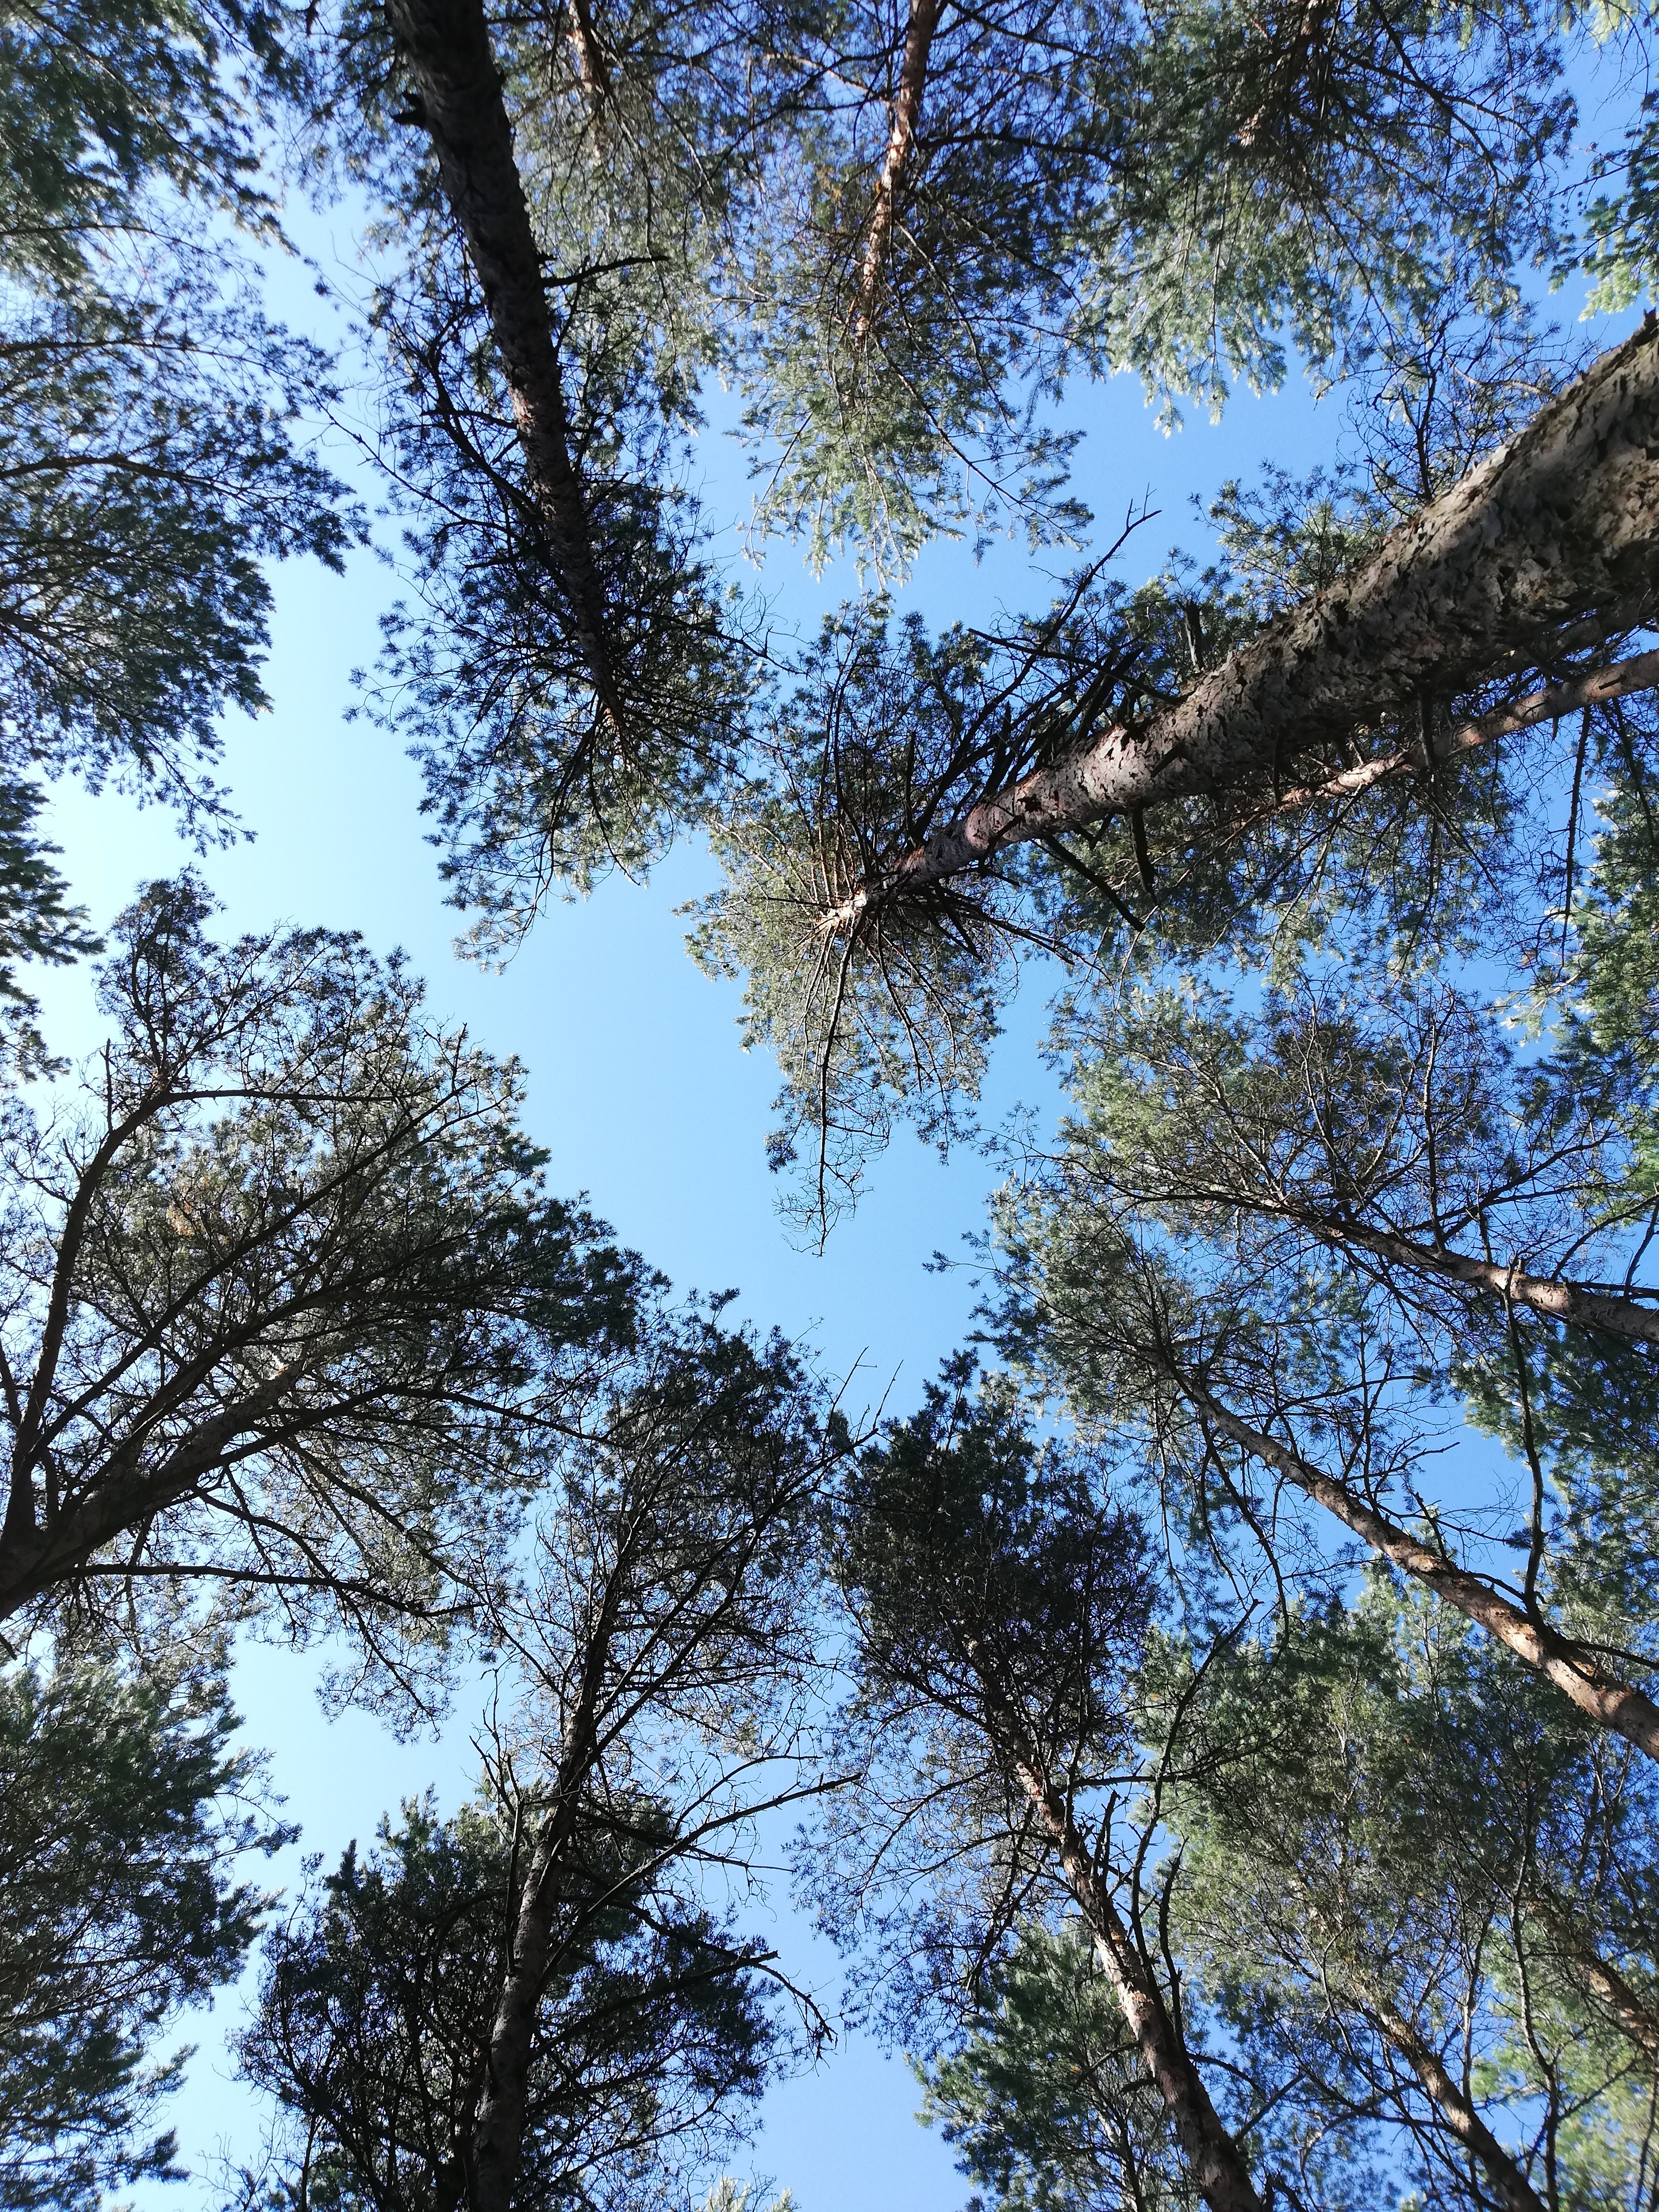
<point x="1575" y="1304"/>
<point x="1598" y="1695"/>
<point x="498" y="2125"/>
<point x="1515" y="2192"/>
<point x="1606" y="1983"/>
<point x="1560" y="525"/>
<point x="1213" y="2157"/>
<point x="907" y="114"/>
<point x="445" y="45"/>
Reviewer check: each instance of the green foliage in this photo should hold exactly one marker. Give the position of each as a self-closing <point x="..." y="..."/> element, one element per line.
<point x="124" y="1812"/>
<point x="1407" y="1800"/>
<point x="287" y="1303"/>
<point x="150" y="456"/>
<point x="1046" y="2104"/>
<point x="373" y="2032"/>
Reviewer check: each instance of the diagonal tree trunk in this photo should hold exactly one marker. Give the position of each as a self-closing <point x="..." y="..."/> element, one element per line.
<point x="590" y="58"/>
<point x="1560" y="525"/>
<point x="1213" y="2157"/>
<point x="1567" y="1943"/>
<point x="1598" y="1694"/>
<point x="499" y="2124"/>
<point x="445" y="45"/>
<point x="1580" y="1305"/>
<point x="1514" y="2192"/>
<point x="907" y="115"/>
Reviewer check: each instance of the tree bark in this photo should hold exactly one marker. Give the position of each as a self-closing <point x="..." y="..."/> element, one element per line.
<point x="1606" y="1983"/>
<point x="1560" y="525"/>
<point x="590" y="59"/>
<point x="1576" y="1304"/>
<point x="34" y="1561"/>
<point x="1599" y="1695"/>
<point x="1640" y="672"/>
<point x="498" y="2126"/>
<point x="1213" y="2157"/>
<point x="907" y="114"/>
<point x="1514" y="2192"/>
<point x="445" y="45"/>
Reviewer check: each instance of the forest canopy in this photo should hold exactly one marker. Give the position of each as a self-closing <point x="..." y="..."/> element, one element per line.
<point x="1217" y="1716"/>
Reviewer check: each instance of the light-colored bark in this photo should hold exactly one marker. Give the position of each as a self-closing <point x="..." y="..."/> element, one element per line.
<point x="1579" y="1304"/>
<point x="1560" y="527"/>
<point x="1514" y="2192"/>
<point x="1598" y="1694"/>
<point x="907" y="115"/>
<point x="590" y="59"/>
<point x="445" y="45"/>
<point x="1213" y="2157"/>
<point x="1460" y="2116"/>
<point x="1635" y="2018"/>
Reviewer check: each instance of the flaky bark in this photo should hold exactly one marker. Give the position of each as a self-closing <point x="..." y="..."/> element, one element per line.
<point x="1568" y="1944"/>
<point x="907" y="115"/>
<point x="1213" y="2157"/>
<point x="590" y="59"/>
<point x="1560" y="525"/>
<point x="445" y="47"/>
<point x="1513" y="2191"/>
<point x="1599" y="1695"/>
<point x="1581" y="1305"/>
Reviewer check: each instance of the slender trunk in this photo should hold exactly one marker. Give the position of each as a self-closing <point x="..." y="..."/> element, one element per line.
<point x="1636" y="2018"/>
<point x="1514" y="2192"/>
<point x="1560" y="525"/>
<point x="1552" y="1295"/>
<point x="1213" y="2157"/>
<point x="590" y="60"/>
<point x="498" y="2125"/>
<point x="1599" y="1695"/>
<point x="445" y="45"/>
<point x="907" y="115"/>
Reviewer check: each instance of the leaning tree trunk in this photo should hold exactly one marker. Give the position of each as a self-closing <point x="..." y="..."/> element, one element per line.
<point x="445" y="45"/>
<point x="907" y="115"/>
<point x="1580" y="1960"/>
<point x="499" y="2123"/>
<point x="1599" y="1695"/>
<point x="1513" y="2191"/>
<point x="1558" y="528"/>
<point x="1580" y="1305"/>
<point x="1213" y="2157"/>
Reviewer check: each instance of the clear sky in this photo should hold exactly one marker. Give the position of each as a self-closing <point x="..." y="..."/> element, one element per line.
<point x="640" y="1092"/>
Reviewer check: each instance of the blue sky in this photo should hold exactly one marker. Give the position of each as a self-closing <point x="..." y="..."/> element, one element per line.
<point x="638" y="1090"/>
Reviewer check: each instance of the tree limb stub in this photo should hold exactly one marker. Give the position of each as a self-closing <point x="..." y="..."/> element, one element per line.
<point x="445" y="45"/>
<point x="1618" y="680"/>
<point x="1599" y="1695"/>
<point x="907" y="115"/>
<point x="1561" y="523"/>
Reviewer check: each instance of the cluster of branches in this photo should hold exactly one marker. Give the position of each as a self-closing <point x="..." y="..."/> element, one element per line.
<point x="1217" y="1812"/>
